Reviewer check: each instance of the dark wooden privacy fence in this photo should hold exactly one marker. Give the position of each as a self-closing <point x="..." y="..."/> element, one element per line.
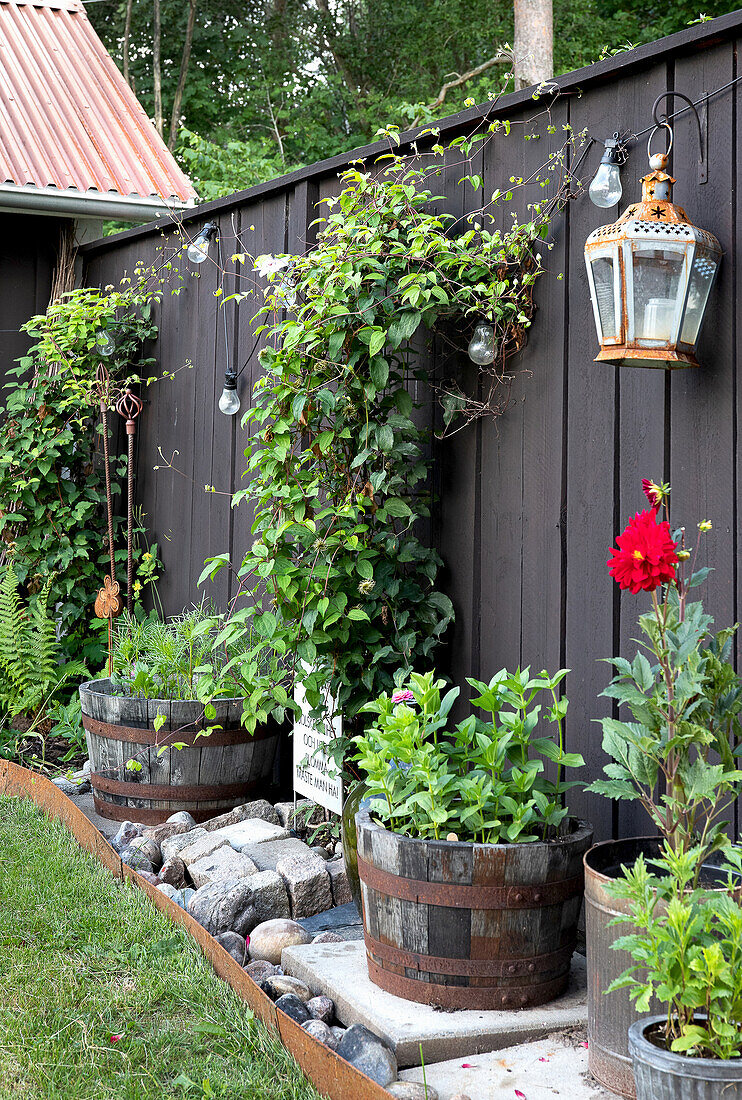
<point x="527" y="507"/>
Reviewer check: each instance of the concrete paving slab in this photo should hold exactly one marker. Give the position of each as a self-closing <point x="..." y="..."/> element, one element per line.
<point x="551" y="1067"/>
<point x="339" y="971"/>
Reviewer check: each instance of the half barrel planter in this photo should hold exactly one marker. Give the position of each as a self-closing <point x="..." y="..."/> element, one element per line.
<point x="209" y="775"/>
<point x="471" y="926"/>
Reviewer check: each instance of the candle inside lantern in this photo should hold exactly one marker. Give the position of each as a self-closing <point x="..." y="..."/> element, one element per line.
<point x="658" y="318"/>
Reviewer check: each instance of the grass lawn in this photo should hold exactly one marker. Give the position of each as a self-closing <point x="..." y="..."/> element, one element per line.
<point x="102" y="997"/>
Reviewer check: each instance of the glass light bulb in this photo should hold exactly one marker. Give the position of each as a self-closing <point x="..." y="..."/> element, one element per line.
<point x="199" y="249"/>
<point x="605" y="189"/>
<point x="482" y="345"/>
<point x="229" y="402"/>
<point x="106" y="343"/>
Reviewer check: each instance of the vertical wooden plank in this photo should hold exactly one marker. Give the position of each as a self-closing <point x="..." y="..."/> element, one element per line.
<point x="449" y="930"/>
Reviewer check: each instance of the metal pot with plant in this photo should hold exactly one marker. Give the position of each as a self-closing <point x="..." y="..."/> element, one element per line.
<point x="670" y="749"/>
<point x="685" y="945"/>
<point x="470" y="864"/>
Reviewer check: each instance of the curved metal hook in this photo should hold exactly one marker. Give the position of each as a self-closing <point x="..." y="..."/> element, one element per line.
<point x="664" y="121"/>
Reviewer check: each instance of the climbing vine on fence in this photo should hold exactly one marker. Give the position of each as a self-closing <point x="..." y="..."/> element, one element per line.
<point x="339" y="580"/>
<point x="52" y="486"/>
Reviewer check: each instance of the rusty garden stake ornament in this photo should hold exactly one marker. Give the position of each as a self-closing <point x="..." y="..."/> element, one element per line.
<point x="108" y="600"/>
<point x="650" y="276"/>
<point x="129" y="407"/>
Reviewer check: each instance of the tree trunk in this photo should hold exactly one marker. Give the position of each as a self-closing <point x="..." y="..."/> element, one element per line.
<point x="534" y="42"/>
<point x="157" y="68"/>
<point x="183" y="75"/>
<point x="127" y="37"/>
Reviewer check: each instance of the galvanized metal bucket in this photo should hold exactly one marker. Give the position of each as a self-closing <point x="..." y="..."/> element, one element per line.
<point x="662" y="1075"/>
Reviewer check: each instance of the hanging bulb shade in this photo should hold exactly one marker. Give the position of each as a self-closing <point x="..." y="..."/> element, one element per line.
<point x="481" y="348"/>
<point x="229" y="402"/>
<point x="106" y="343"/>
<point x="198" y="250"/>
<point x="650" y="276"/>
<point x="605" y="189"/>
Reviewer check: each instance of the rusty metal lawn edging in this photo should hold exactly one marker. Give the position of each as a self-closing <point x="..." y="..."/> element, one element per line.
<point x="331" y="1075"/>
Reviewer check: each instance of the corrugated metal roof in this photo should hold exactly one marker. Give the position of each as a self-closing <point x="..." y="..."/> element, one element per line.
<point x="68" y="119"/>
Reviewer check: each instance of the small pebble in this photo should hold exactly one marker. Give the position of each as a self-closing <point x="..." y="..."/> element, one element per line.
<point x="234" y="944"/>
<point x="451" y="836"/>
<point x="259" y="970"/>
<point x="173" y="871"/>
<point x="338" y="850"/>
<point x="321" y="1032"/>
<point x="126" y="832"/>
<point x="182" y="817"/>
<point x="327" y="937"/>
<point x="320" y="850"/>
<point x="166" y="889"/>
<point x="294" y="1007"/>
<point x="267" y="940"/>
<point x="182" y="897"/>
<point x="322" y="1008"/>
<point x="338" y="1032"/>
<point x="277" y="985"/>
<point x="150" y="877"/>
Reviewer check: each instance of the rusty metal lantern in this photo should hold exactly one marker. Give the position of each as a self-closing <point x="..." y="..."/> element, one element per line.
<point x="650" y="276"/>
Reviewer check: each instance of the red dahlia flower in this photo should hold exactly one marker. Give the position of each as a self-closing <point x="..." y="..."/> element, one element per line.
<point x="652" y="492"/>
<point x="646" y="554"/>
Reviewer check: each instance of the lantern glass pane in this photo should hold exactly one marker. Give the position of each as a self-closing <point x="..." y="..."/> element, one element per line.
<point x="605" y="296"/>
<point x="656" y="274"/>
<point x="701" y="279"/>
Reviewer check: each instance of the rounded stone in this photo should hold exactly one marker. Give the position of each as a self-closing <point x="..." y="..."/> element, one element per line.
<point x="411" y="1090"/>
<point x="338" y="1032"/>
<point x="126" y="832"/>
<point x="320" y="850"/>
<point x="294" y="1007"/>
<point x="277" y="985"/>
<point x="132" y="857"/>
<point x="321" y="1032"/>
<point x="182" y="817"/>
<point x="322" y="1008"/>
<point x="235" y="945"/>
<point x="268" y="939"/>
<point x="327" y="937"/>
<point x="259" y="971"/>
<point x="149" y="848"/>
<point x="366" y="1052"/>
<point x="338" y="847"/>
<point x="166" y="889"/>
<point x="150" y="877"/>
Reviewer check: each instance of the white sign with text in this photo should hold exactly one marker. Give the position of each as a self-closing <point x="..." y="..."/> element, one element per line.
<point x="316" y="774"/>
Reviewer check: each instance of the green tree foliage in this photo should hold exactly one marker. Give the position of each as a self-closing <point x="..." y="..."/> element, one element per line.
<point x="274" y="84"/>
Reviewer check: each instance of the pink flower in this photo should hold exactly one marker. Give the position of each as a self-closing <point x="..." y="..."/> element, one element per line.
<point x="404" y="696"/>
<point x="114" y="1038"/>
<point x="584" y="1045"/>
<point x="520" y="1095"/>
<point x="467" y="1065"/>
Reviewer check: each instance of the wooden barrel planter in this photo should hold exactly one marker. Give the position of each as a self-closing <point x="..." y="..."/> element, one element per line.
<point x="462" y="925"/>
<point x="210" y="775"/>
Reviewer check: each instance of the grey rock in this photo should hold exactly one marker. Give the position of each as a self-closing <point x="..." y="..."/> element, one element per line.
<point x="201" y="847"/>
<point x="338" y="848"/>
<point x="259" y="970"/>
<point x="294" y="1007"/>
<point x="338" y="1032"/>
<point x="167" y="889"/>
<point x="182" y="817"/>
<point x="71" y="787"/>
<point x="298" y="817"/>
<point x="183" y="897"/>
<point x="149" y="876"/>
<point x="126" y="832"/>
<point x="411" y="1090"/>
<point x="173" y="871"/>
<point x="174" y="845"/>
<point x="258" y="809"/>
<point x="328" y="937"/>
<point x="320" y="850"/>
<point x="321" y="1032"/>
<point x="322" y="1008"/>
<point x="219" y="906"/>
<point x="307" y="884"/>
<point x="234" y="944"/>
<point x="280" y="984"/>
<point x="267" y="854"/>
<point x="159" y="833"/>
<point x="341" y="894"/>
<point x="248" y="834"/>
<point x="268" y="939"/>
<point x="269" y="898"/>
<point x="224" y="863"/>
<point x="136" y="859"/>
<point x="149" y="848"/>
<point x="366" y="1052"/>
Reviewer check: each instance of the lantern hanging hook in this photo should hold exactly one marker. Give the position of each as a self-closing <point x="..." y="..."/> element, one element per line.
<point x="664" y="120"/>
<point x="660" y="126"/>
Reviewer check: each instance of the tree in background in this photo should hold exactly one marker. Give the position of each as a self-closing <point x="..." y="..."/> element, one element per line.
<point x="244" y="90"/>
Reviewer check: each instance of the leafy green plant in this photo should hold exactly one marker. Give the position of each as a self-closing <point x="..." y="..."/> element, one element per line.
<point x="686" y="947"/>
<point x="677" y="756"/>
<point x="52" y="485"/>
<point x="66" y="723"/>
<point x="338" y="581"/>
<point x="31" y="672"/>
<point x="485" y="780"/>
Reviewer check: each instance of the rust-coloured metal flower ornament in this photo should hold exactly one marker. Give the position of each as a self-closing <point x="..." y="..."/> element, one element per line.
<point x="108" y="602"/>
